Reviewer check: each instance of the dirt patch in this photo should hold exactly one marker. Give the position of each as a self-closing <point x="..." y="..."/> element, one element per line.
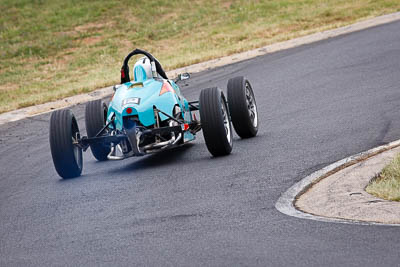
<point x="169" y="16"/>
<point x="227" y="4"/>
<point x="125" y="43"/>
<point x="57" y="63"/>
<point x="92" y="26"/>
<point x="92" y="40"/>
<point x="66" y="33"/>
<point x="8" y="87"/>
<point x="89" y="27"/>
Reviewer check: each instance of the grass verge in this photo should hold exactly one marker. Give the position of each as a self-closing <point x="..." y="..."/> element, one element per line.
<point x="387" y="183"/>
<point x="54" y="49"/>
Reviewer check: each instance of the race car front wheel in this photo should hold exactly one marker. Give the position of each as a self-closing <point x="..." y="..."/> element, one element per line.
<point x="95" y="119"/>
<point x="242" y="107"/>
<point x="64" y="135"/>
<point x="215" y="121"/>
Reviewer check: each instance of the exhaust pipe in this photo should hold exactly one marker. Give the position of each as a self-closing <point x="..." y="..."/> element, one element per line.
<point x="116" y="153"/>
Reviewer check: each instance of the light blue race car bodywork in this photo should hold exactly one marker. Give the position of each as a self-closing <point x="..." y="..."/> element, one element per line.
<point x="142" y="97"/>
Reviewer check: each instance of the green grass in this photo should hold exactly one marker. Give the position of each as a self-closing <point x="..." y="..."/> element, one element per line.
<point x="50" y="49"/>
<point x="387" y="183"/>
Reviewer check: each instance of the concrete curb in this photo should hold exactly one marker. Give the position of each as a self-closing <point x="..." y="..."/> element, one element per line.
<point x="104" y="92"/>
<point x="286" y="202"/>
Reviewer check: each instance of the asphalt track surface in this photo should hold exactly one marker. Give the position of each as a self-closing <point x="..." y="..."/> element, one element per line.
<point x="317" y="104"/>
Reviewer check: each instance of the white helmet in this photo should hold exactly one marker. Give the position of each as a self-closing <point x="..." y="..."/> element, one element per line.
<point x="142" y="69"/>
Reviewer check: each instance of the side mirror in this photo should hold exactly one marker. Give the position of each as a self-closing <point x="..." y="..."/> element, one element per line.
<point x="182" y="77"/>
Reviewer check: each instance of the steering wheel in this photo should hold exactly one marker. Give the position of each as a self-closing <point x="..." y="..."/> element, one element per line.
<point x="155" y="66"/>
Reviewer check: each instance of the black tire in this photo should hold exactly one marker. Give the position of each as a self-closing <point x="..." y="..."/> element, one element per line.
<point x="242" y="107"/>
<point x="215" y="122"/>
<point x="67" y="157"/>
<point x="95" y="120"/>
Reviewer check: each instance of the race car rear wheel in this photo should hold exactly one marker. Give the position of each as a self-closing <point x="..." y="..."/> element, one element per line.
<point x="95" y="120"/>
<point x="64" y="134"/>
<point x="215" y="121"/>
<point x="242" y="107"/>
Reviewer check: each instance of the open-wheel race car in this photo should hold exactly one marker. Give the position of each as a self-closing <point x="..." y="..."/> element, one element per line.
<point x="149" y="114"/>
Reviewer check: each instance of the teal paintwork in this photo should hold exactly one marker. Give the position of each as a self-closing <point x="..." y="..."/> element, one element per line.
<point x="140" y="74"/>
<point x="148" y="91"/>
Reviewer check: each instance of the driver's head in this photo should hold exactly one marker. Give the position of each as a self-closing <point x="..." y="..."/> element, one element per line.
<point x="142" y="70"/>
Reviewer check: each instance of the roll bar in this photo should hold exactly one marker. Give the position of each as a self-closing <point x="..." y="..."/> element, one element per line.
<point x="155" y="65"/>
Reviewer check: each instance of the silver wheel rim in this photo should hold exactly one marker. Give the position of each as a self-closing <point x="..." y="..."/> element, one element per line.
<point x="251" y="105"/>
<point x="77" y="151"/>
<point x="227" y="124"/>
